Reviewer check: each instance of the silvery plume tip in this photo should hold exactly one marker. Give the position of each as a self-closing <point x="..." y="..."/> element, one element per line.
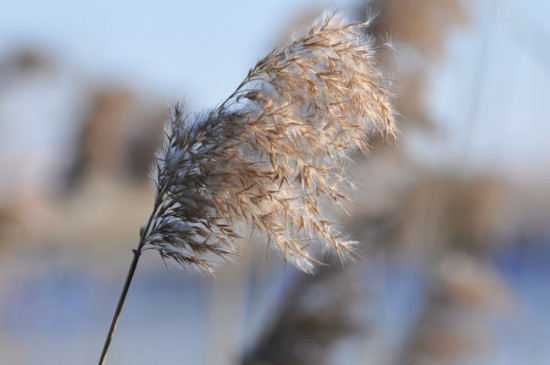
<point x="272" y="157"/>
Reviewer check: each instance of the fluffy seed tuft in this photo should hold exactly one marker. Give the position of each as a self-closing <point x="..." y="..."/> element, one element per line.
<point x="272" y="156"/>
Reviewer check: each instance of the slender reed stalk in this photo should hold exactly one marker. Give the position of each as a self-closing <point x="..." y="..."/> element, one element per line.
<point x="114" y="323"/>
<point x="129" y="277"/>
<point x="272" y="157"/>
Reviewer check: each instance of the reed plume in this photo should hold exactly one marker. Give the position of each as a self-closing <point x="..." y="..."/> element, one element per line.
<point x="271" y="157"/>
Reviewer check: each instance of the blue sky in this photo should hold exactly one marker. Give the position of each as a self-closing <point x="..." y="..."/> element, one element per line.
<point x="200" y="50"/>
<point x="489" y="96"/>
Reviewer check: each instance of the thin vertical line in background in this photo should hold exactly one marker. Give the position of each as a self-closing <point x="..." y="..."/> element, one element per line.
<point x="478" y="86"/>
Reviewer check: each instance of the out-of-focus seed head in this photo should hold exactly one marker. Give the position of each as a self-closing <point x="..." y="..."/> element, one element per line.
<point x="272" y="157"/>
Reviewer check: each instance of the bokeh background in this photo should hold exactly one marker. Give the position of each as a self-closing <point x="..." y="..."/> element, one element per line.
<point x="454" y="219"/>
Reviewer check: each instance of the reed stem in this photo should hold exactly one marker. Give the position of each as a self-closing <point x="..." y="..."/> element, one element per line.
<point x="137" y="254"/>
<point x="129" y="277"/>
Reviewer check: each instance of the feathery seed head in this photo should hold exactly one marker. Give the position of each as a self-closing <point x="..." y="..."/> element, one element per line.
<point x="272" y="156"/>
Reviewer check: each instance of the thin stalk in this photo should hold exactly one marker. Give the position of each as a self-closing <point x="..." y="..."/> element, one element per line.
<point x="137" y="254"/>
<point x="129" y="277"/>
